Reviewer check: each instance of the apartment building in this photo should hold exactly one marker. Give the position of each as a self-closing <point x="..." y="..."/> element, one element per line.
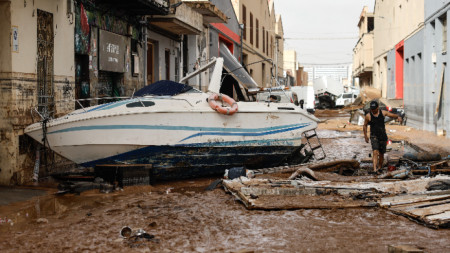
<point x="395" y="21"/>
<point x="363" y="50"/>
<point x="262" y="39"/>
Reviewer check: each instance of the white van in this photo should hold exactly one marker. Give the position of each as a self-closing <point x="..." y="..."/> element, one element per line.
<point x="305" y="93"/>
<point x="346" y="99"/>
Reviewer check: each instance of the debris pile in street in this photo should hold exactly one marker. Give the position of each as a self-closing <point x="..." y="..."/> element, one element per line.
<point x="423" y="199"/>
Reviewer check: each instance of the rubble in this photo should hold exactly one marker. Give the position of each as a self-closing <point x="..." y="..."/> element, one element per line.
<point x="304" y="190"/>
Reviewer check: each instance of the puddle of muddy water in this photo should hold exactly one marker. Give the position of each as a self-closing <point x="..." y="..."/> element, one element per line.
<point x="210" y="221"/>
<point x="9" y="195"/>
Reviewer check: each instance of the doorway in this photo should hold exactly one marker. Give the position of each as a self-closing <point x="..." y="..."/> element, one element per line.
<point x="46" y="103"/>
<point x="150" y="62"/>
<point x="167" y="62"/>
<point x="82" y="88"/>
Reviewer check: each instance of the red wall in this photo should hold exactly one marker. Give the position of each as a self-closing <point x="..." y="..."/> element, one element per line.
<point x="399" y="58"/>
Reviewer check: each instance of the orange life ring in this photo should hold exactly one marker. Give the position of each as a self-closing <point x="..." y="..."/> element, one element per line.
<point x="213" y="102"/>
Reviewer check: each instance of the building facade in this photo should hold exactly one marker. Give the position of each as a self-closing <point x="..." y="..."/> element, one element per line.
<point x="57" y="56"/>
<point x="290" y="66"/>
<point x="35" y="72"/>
<point x="302" y="76"/>
<point x="262" y="39"/>
<point x="363" y="50"/>
<point x="426" y="90"/>
<point x="338" y="73"/>
<point x="395" y="21"/>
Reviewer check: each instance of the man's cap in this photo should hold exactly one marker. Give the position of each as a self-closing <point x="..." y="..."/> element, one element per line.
<point x="373" y="105"/>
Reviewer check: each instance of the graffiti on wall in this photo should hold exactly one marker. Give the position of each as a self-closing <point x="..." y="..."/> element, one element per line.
<point x="81" y="31"/>
<point x="85" y="18"/>
<point x="111" y="24"/>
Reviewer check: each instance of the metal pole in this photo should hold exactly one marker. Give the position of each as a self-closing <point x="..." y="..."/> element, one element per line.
<point x="145" y="55"/>
<point x="242" y="43"/>
<point x="276" y="60"/>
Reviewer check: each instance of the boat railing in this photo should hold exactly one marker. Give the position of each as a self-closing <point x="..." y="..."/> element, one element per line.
<point x="80" y="100"/>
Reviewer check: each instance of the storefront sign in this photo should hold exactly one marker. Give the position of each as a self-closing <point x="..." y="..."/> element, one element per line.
<point x="112" y="52"/>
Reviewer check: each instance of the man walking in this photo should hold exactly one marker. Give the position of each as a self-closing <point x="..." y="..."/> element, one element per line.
<point x="378" y="137"/>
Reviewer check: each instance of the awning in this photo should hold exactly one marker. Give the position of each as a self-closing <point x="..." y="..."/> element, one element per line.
<point x="210" y="13"/>
<point x="234" y="68"/>
<point x="139" y="7"/>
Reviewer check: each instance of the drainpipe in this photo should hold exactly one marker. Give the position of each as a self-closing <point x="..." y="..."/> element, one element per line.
<point x="181" y="57"/>
<point x="242" y="43"/>
<point x="276" y="61"/>
<point x="144" y="28"/>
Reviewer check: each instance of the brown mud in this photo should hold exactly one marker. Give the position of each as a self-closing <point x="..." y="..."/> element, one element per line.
<point x="184" y="217"/>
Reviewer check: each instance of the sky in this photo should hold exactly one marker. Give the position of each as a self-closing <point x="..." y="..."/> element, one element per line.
<point x="335" y="22"/>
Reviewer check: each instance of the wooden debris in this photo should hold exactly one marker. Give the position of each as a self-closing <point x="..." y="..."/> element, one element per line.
<point x="410" y="199"/>
<point x="266" y="194"/>
<point x="404" y="249"/>
<point x="304" y="172"/>
<point x="335" y="165"/>
<point x="429" y="209"/>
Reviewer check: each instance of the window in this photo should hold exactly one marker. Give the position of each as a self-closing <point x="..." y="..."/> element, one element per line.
<point x="347" y="95"/>
<point x="444" y="32"/>
<point x="244" y="21"/>
<point x="141" y="104"/>
<point x="370" y="24"/>
<point x="251" y="28"/>
<point x="257" y="33"/>
<point x="267" y="43"/>
<point x="271" y="47"/>
<point x="264" y="39"/>
<point x="443" y="20"/>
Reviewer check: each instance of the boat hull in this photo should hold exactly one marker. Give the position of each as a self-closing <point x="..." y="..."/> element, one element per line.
<point x="170" y="162"/>
<point x="190" y="139"/>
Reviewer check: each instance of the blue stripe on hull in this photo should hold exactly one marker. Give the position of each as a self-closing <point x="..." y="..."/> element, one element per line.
<point x="171" y="162"/>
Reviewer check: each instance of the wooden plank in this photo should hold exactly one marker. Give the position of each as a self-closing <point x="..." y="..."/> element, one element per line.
<point x="438" y="102"/>
<point x="410" y="199"/>
<point x="444" y="170"/>
<point x="431" y="210"/>
<point x="420" y="205"/>
<point x="444" y="163"/>
<point x="332" y="165"/>
<point x="442" y="216"/>
<point x="403" y="249"/>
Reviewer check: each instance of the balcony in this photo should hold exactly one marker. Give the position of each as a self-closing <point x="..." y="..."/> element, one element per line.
<point x="188" y="17"/>
<point x="210" y="13"/>
<point x="138" y="7"/>
<point x="363" y="56"/>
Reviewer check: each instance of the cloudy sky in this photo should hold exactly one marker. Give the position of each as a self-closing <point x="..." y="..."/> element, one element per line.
<point x="334" y="22"/>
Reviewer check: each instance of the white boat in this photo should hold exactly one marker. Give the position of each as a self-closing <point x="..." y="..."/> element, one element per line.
<point x="181" y="133"/>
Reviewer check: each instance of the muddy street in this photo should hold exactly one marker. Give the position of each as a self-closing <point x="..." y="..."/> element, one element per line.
<point x="183" y="217"/>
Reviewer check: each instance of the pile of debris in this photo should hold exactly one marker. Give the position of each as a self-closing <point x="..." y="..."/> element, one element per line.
<point x="424" y="199"/>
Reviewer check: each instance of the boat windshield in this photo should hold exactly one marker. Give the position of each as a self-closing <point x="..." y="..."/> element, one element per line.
<point x="163" y="88"/>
